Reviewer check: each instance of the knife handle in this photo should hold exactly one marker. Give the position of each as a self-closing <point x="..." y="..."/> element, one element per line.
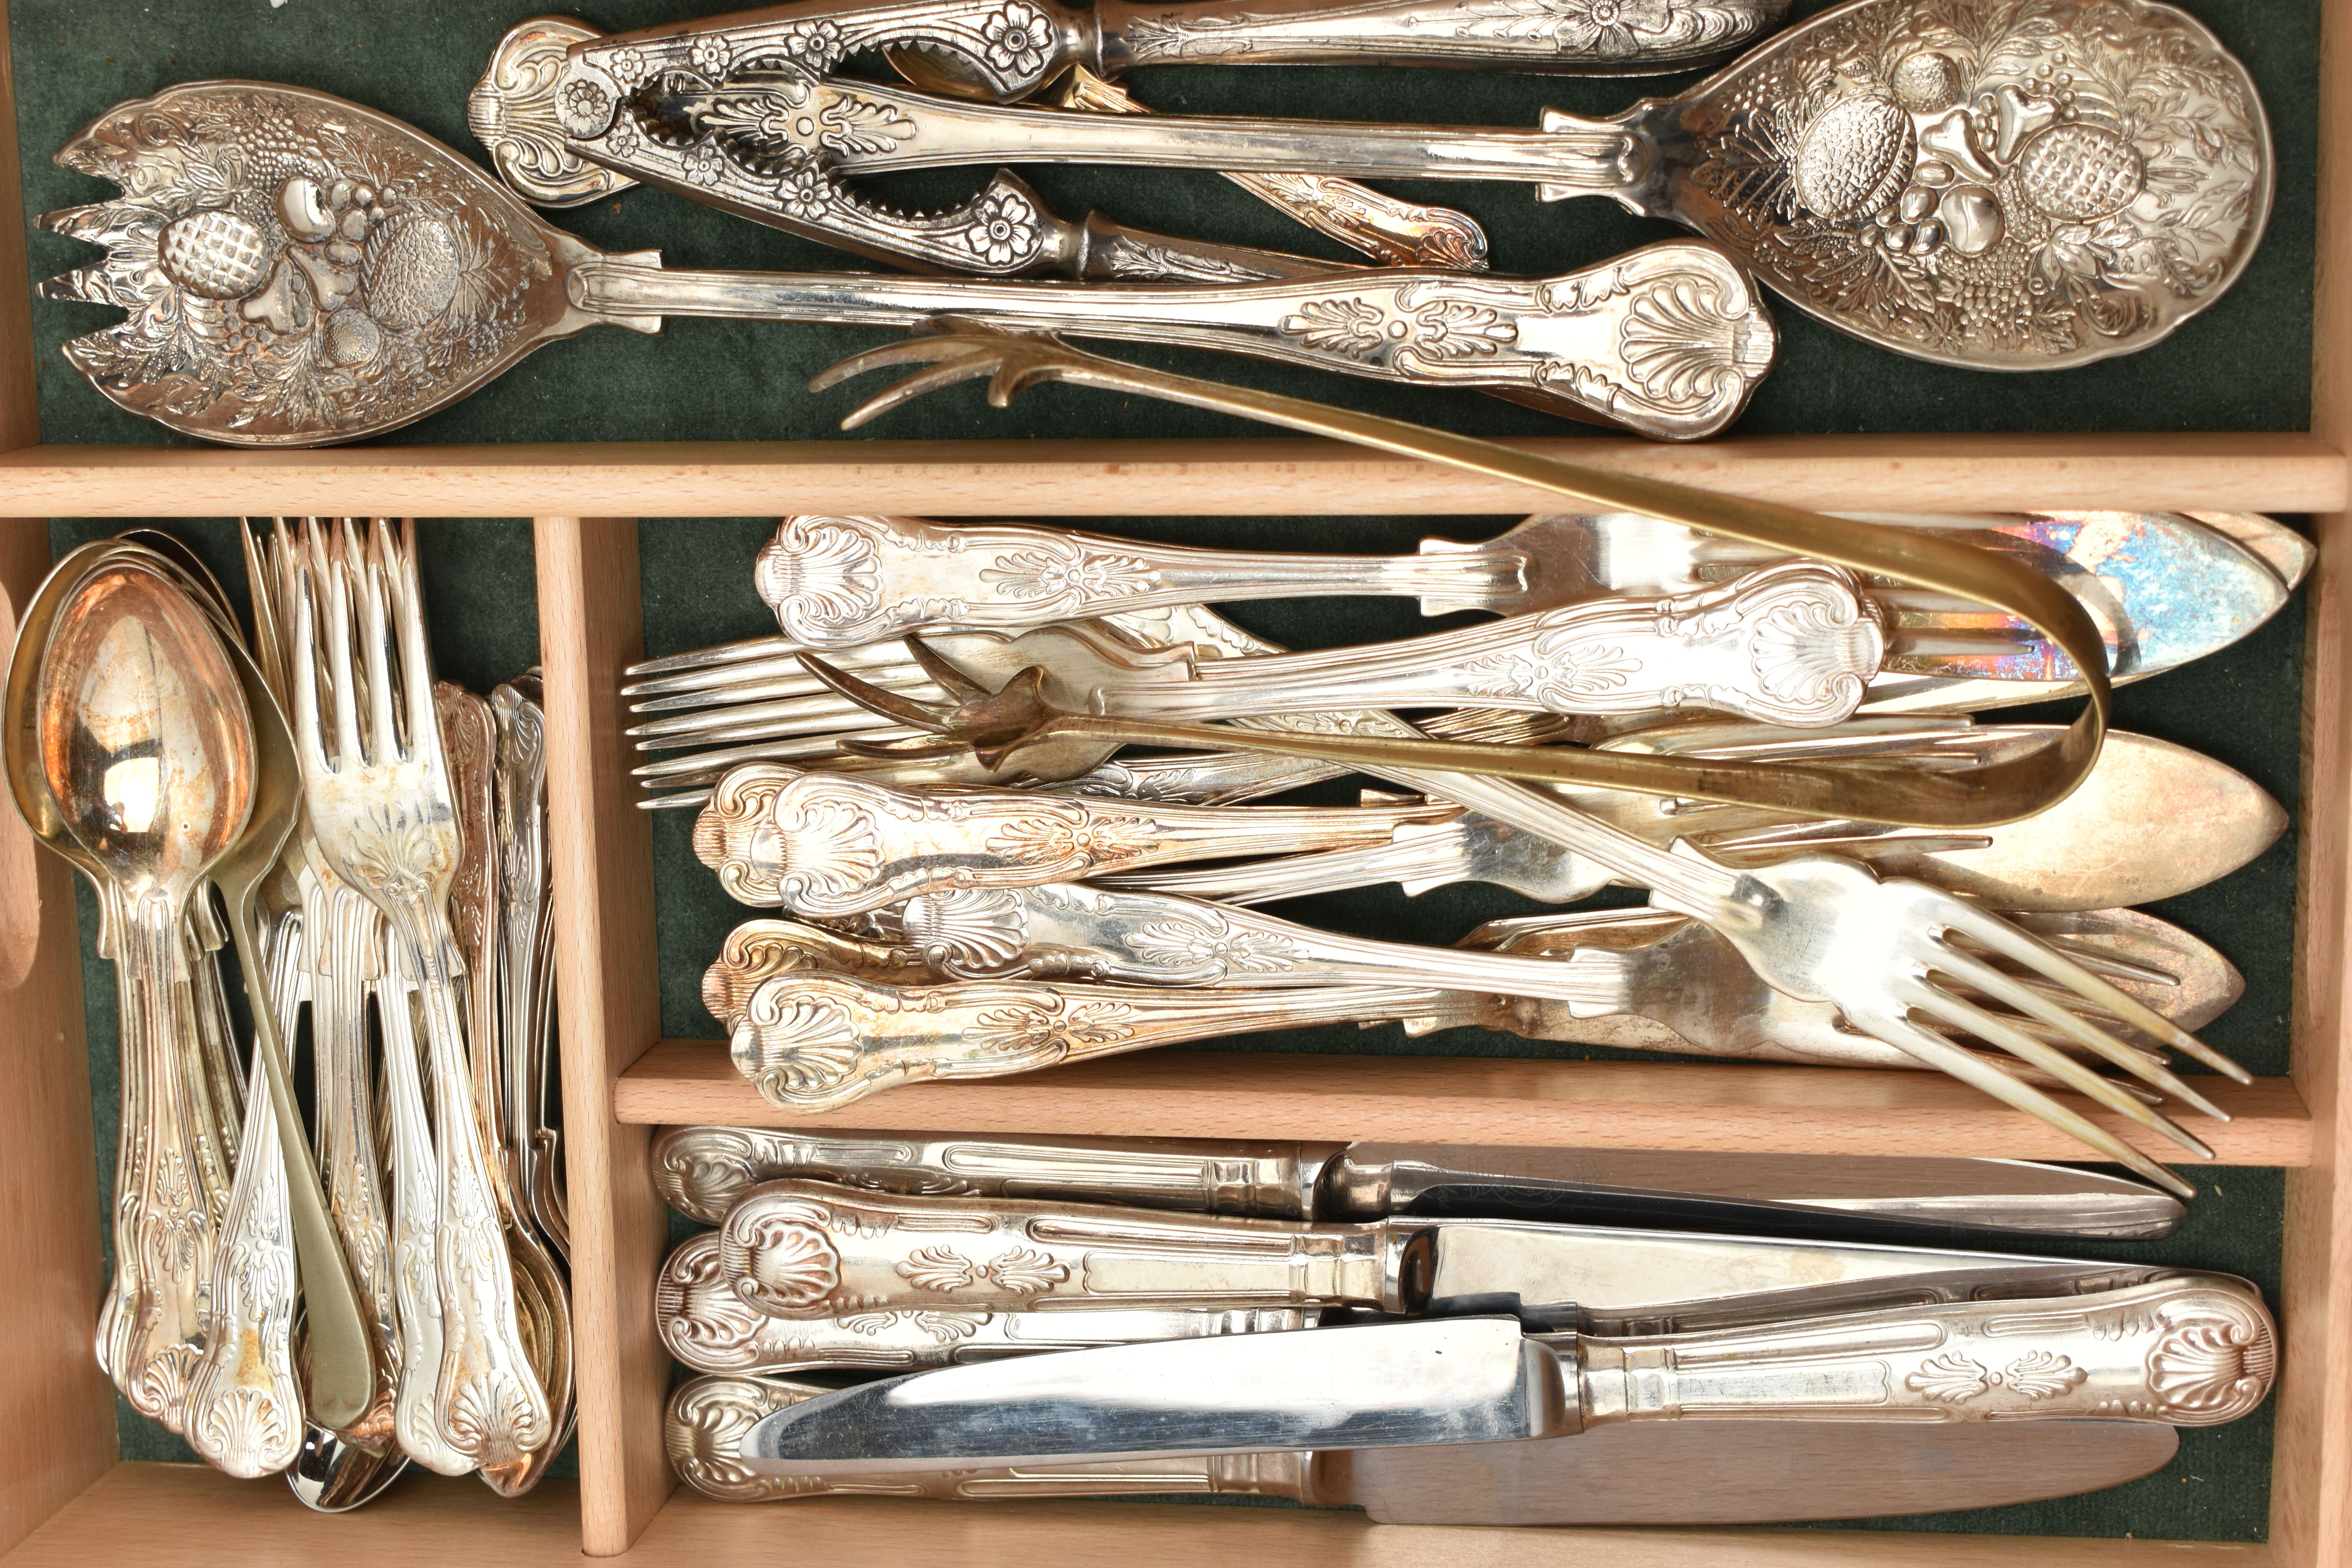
<point x="704" y="1323"/>
<point x="802" y="1249"/>
<point x="709" y="1418"/>
<point x="702" y="1172"/>
<point x="2190" y="1350"/>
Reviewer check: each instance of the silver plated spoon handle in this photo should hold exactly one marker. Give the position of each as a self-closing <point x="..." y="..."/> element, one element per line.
<point x="829" y="844"/>
<point x="1668" y="341"/>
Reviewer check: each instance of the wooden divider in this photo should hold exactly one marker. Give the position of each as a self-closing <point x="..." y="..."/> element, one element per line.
<point x="607" y="1013"/>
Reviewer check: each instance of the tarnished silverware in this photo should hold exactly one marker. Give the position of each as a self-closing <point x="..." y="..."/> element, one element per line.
<point x="829" y="844"/>
<point x="1912" y="175"/>
<point x="2192" y="1349"/>
<point x="2154" y="820"/>
<point x="1393" y="233"/>
<point x="805" y="1250"/>
<point x="1815" y="927"/>
<point x="381" y="811"/>
<point x="147" y="746"/>
<point x="1006" y="231"/>
<point x="1757" y="1471"/>
<point x="479" y="281"/>
<point x="811" y="1045"/>
<point x="526" y="955"/>
<point x="703" y="1171"/>
<point x="707" y="1324"/>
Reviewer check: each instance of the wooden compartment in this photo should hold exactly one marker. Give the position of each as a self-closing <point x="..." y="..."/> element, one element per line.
<point x="65" y="1497"/>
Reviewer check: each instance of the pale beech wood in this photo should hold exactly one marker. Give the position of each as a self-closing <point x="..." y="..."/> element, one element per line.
<point x="1461" y="1099"/>
<point x="2311" y="1456"/>
<point x="607" y="1008"/>
<point x="57" y="1409"/>
<point x="190" y="1518"/>
<point x="2284" y="472"/>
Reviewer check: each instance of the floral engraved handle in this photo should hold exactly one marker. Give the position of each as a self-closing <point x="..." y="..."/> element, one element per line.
<point x="1793" y="644"/>
<point x="758" y="951"/>
<point x="831" y="845"/>
<point x="709" y="1418"/>
<point x="2193" y="1351"/>
<point x="838" y="581"/>
<point x="706" y="1325"/>
<point x="1601" y="37"/>
<point x="703" y="1170"/>
<point x="804" y="1249"/>
<point x="819" y="1041"/>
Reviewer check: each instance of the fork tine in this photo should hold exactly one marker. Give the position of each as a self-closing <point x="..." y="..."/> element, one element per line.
<point x="306" y="736"/>
<point x="344" y="694"/>
<point x="415" y="654"/>
<point x="1942" y="1004"/>
<point x="1936" y="1051"/>
<point x="2025" y="999"/>
<point x="959" y="686"/>
<point x="922" y="715"/>
<point x="383" y="741"/>
<point x="2002" y="937"/>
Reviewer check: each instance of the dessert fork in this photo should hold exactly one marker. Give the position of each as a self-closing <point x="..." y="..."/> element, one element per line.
<point x="383" y="811"/>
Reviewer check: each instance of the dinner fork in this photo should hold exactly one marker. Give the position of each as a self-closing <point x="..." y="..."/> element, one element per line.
<point x="384" y="811"/>
<point x="1815" y="927"/>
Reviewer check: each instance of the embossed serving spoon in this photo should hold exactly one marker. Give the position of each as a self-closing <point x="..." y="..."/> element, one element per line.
<point x="300" y="270"/>
<point x="2003" y="185"/>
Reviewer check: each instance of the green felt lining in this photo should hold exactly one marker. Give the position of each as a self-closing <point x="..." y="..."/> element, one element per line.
<point x="2243" y="366"/>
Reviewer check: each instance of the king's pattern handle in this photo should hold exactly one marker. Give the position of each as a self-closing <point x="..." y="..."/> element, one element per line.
<point x="1794" y="644"/>
<point x="840" y="582"/>
<point x="821" y="1041"/>
<point x="703" y="1171"/>
<point x="2193" y="1351"/>
<point x="829" y="844"/>
<point x="706" y="1325"/>
<point x="802" y="1250"/>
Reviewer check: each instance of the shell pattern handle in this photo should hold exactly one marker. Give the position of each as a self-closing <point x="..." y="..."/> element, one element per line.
<point x="829" y="844"/>
<point x="702" y="1172"/>
<point x="804" y="1249"/>
<point x="1796" y="644"/>
<point x="706" y="1325"/>
<point x="839" y="581"/>
<point x="1668" y="341"/>
<point x="819" y="1041"/>
<point x="2193" y="1351"/>
<point x="709" y="1418"/>
<point x="1158" y="940"/>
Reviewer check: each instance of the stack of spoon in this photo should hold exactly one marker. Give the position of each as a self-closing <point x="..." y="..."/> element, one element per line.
<point x="248" y="1309"/>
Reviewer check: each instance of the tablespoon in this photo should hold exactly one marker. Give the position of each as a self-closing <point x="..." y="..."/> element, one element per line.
<point x="376" y="247"/>
<point x="147" y="745"/>
<point x="2005" y="184"/>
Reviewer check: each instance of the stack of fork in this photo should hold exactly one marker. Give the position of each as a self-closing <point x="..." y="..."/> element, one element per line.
<point x="951" y="924"/>
<point x="417" y="882"/>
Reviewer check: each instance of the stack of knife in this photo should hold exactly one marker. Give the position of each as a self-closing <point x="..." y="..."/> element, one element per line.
<point x="1435" y="1335"/>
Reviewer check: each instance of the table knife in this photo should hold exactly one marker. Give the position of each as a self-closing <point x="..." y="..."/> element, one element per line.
<point x="1667" y="1472"/>
<point x="807" y="1250"/>
<point x="703" y="1170"/>
<point x="2192" y="1349"/>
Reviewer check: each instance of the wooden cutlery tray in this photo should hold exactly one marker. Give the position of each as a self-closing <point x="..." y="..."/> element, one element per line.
<point x="606" y="584"/>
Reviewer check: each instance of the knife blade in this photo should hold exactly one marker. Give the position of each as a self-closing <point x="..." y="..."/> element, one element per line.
<point x="702" y="1172"/>
<point x="1672" y="1472"/>
<point x="804" y="1250"/>
<point x="2190" y="1349"/>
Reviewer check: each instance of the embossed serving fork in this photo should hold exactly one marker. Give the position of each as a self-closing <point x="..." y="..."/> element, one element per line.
<point x="383" y="811"/>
